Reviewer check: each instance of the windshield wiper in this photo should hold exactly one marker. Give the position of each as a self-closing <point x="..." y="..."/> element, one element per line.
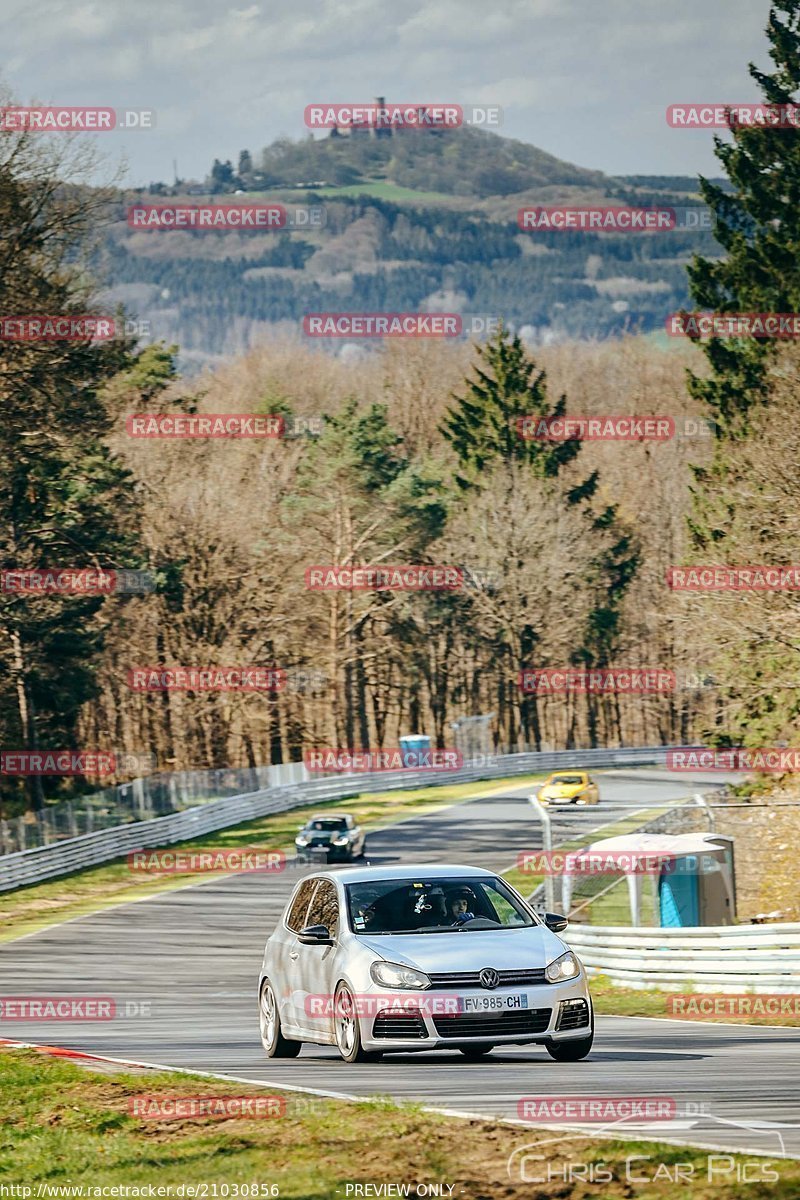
<point x="425" y="929"/>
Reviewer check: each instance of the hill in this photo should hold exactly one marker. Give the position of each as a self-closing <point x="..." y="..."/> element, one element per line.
<point x="416" y="222"/>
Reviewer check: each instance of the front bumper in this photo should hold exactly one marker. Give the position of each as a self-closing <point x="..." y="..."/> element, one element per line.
<point x="324" y="851"/>
<point x="553" y="1013"/>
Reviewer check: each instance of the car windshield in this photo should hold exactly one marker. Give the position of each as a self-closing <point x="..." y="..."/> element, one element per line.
<point x="570" y="779"/>
<point x="326" y="824"/>
<point x="431" y="905"/>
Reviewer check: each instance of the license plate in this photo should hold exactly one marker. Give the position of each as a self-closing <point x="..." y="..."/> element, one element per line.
<point x="471" y="1004"/>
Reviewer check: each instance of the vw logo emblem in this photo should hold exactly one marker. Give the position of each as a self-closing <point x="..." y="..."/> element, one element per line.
<point x="489" y="978"/>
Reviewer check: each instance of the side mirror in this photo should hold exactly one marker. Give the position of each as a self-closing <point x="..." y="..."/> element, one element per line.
<point x="555" y="922"/>
<point x="316" y="935"/>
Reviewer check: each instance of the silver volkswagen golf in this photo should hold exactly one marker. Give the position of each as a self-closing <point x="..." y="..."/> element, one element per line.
<point x="375" y="959"/>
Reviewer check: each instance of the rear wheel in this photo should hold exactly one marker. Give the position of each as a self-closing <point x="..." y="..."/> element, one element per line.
<point x="273" y="1041"/>
<point x="347" y="1028"/>
<point x="476" y="1051"/>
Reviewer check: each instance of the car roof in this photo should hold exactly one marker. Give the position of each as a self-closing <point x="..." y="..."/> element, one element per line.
<point x="415" y="871"/>
<point x="323" y="816"/>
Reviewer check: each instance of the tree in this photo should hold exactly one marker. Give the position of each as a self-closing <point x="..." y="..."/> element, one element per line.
<point x="758" y="225"/>
<point x="360" y="501"/>
<point x="485" y="425"/>
<point x="222" y="177"/>
<point x="484" y="430"/>
<point x="65" y="501"/>
<point x="245" y="168"/>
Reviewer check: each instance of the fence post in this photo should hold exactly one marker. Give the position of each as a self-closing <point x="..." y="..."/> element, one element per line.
<point x="138" y="799"/>
<point x="703" y="803"/>
<point x="547" y="845"/>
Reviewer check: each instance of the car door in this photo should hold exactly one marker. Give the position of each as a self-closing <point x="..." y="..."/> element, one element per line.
<point x="284" y="954"/>
<point x="315" y="965"/>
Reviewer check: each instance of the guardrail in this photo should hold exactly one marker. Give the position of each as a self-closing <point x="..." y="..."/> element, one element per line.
<point x="719" y="958"/>
<point x="91" y="849"/>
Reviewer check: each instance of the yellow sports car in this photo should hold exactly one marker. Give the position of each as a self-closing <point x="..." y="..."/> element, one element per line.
<point x="569" y="787"/>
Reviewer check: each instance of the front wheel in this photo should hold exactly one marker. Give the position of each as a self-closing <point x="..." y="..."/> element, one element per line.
<point x="347" y="1028"/>
<point x="273" y="1041"/>
<point x="476" y="1051"/>
<point x="572" y="1051"/>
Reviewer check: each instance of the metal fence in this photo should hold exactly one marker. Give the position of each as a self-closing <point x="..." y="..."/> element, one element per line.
<point x="288" y="787"/>
<point x="156" y="795"/>
<point x="728" y="958"/>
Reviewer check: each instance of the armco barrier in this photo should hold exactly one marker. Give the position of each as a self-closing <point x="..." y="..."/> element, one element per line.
<point x="73" y="854"/>
<point x="718" y="958"/>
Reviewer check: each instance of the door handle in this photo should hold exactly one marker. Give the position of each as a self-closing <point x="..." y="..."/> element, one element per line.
<point x="294" y="954"/>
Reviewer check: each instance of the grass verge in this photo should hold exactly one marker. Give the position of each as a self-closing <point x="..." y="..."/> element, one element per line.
<point x="620" y="1001"/>
<point x="68" y="1127"/>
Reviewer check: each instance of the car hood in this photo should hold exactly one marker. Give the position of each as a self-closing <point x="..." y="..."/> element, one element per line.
<point x="516" y="949"/>
<point x="564" y="789"/>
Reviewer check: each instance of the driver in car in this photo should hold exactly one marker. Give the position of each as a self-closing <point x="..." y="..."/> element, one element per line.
<point x="459" y="904"/>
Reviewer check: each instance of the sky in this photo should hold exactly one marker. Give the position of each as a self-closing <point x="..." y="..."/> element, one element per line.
<point x="586" y="80"/>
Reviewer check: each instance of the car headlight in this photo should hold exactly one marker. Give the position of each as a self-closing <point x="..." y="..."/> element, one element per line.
<point x="389" y="974"/>
<point x="339" y="841"/>
<point x="565" y="967"/>
<point x="301" y="840"/>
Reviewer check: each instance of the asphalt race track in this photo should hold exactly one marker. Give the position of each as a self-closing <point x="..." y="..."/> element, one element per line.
<point x="183" y="969"/>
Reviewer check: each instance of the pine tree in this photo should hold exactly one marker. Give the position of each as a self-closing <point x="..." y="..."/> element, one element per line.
<point x="758" y="225"/>
<point x="485" y="427"/>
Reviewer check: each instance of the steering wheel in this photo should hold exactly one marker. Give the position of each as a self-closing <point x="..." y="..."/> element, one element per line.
<point x="479" y="923"/>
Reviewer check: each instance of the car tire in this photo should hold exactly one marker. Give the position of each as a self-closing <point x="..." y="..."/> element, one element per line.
<point x="273" y="1041"/>
<point x="476" y="1051"/>
<point x="347" y="1028"/>
<point x="573" y="1050"/>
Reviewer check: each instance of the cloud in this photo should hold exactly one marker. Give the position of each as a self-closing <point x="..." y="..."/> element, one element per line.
<point x="588" y="82"/>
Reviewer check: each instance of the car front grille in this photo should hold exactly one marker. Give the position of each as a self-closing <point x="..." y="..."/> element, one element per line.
<point x="471" y="979"/>
<point x="573" y="1014"/>
<point x="488" y="1026"/>
<point x="407" y="1024"/>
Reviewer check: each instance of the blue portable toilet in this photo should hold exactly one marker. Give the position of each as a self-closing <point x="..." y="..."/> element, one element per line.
<point x="700" y="889"/>
<point x="413" y="749"/>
